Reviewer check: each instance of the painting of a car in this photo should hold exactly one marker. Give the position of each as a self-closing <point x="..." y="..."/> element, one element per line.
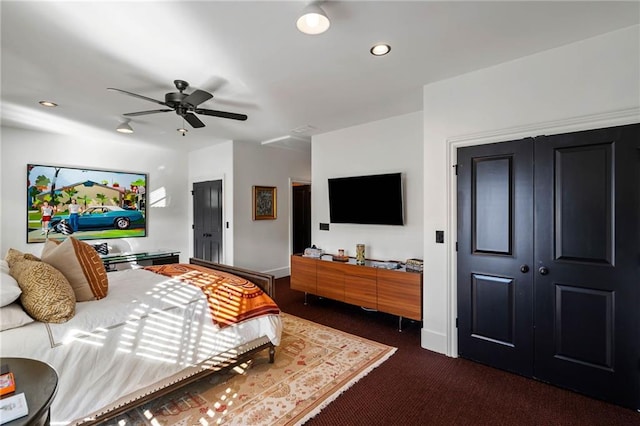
<point x="100" y="217"/>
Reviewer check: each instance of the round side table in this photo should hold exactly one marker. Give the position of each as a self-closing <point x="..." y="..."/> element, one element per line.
<point x="39" y="383"/>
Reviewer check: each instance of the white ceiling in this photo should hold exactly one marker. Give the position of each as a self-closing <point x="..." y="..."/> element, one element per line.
<point x="253" y="59"/>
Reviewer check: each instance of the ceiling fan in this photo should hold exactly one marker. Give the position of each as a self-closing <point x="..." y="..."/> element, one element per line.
<point x="185" y="105"/>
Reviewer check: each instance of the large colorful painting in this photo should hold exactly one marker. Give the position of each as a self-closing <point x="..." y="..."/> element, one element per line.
<point x="88" y="204"/>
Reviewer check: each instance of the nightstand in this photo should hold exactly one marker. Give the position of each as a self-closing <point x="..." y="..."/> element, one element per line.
<point x="39" y="383"/>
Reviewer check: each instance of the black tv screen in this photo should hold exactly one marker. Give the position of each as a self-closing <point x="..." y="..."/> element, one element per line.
<point x="371" y="200"/>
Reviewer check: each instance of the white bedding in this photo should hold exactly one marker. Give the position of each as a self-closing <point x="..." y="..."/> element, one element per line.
<point x="114" y="346"/>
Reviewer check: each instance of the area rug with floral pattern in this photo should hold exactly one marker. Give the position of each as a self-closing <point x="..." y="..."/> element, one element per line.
<point x="314" y="364"/>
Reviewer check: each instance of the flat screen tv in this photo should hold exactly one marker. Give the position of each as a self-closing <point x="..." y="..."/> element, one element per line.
<point x="371" y="199"/>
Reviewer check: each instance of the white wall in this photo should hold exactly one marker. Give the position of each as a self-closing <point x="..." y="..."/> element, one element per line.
<point x="264" y="245"/>
<point x="385" y="146"/>
<point x="166" y="169"/>
<point x="259" y="245"/>
<point x="214" y="163"/>
<point x="589" y="84"/>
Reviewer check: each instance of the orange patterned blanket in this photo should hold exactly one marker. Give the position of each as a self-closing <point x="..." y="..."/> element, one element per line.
<point x="231" y="299"/>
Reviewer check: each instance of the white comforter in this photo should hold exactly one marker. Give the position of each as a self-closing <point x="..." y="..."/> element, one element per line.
<point x="148" y="328"/>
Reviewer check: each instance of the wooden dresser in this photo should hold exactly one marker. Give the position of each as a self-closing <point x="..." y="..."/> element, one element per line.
<point x="394" y="291"/>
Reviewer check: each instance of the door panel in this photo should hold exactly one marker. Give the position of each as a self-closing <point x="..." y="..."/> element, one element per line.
<point x="207" y="220"/>
<point x="398" y="293"/>
<point x="583" y="189"/>
<point x="587" y="239"/>
<point x="493" y="308"/>
<point x="495" y="251"/>
<point x="330" y="282"/>
<point x="492" y="205"/>
<point x="304" y="274"/>
<point x="586" y="339"/>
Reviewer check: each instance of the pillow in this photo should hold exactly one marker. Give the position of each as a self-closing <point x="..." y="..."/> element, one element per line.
<point x="9" y="289"/>
<point x="81" y="265"/>
<point x="13" y="316"/>
<point x="4" y="266"/>
<point x="14" y="255"/>
<point x="46" y="295"/>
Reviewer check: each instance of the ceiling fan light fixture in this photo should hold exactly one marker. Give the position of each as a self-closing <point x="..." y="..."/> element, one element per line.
<point x="313" y="20"/>
<point x="183" y="104"/>
<point x="124" y="128"/>
<point x="183" y="131"/>
<point x="380" y="49"/>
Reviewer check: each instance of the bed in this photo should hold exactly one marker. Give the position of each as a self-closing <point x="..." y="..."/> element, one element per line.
<point x="151" y="334"/>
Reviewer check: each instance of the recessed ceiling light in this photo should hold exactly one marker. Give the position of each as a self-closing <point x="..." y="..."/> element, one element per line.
<point x="48" y="104"/>
<point x="380" y="49"/>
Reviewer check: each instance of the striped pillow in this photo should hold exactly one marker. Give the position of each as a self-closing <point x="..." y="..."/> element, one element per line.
<point x="81" y="265"/>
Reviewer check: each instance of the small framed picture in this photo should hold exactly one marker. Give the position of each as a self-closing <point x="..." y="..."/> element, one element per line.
<point x="264" y="202"/>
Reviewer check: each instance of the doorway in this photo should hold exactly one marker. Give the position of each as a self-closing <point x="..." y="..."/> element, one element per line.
<point x="207" y="220"/>
<point x="548" y="248"/>
<point x="300" y="217"/>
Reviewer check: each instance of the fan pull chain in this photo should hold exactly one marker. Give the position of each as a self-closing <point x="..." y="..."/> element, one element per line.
<point x="183" y="129"/>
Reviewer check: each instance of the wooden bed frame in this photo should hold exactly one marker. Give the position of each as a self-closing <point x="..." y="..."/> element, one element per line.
<point x="223" y="361"/>
<point x="265" y="281"/>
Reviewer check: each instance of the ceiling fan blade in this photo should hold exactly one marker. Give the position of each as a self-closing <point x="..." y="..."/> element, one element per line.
<point x="137" y="96"/>
<point x="193" y="120"/>
<point x="223" y="114"/>
<point x="133" y="114"/>
<point x="197" y="97"/>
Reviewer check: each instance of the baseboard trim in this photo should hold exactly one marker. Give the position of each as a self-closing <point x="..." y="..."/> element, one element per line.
<point x="436" y="342"/>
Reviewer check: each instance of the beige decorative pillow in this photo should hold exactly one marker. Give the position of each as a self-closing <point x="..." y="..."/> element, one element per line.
<point x="14" y="256"/>
<point x="81" y="265"/>
<point x="46" y="295"/>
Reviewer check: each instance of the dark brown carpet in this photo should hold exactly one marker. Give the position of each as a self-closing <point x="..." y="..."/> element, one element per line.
<point x="419" y="387"/>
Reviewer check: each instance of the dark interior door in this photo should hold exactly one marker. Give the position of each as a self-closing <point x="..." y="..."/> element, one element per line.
<point x="587" y="251"/>
<point x="301" y="232"/>
<point x="495" y="253"/>
<point x="207" y="220"/>
<point x="586" y="265"/>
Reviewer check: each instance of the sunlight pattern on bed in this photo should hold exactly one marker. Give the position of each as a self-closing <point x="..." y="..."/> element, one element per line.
<point x="150" y="331"/>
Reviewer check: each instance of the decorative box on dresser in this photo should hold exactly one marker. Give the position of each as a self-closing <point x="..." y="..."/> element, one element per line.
<point x="394" y="291"/>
